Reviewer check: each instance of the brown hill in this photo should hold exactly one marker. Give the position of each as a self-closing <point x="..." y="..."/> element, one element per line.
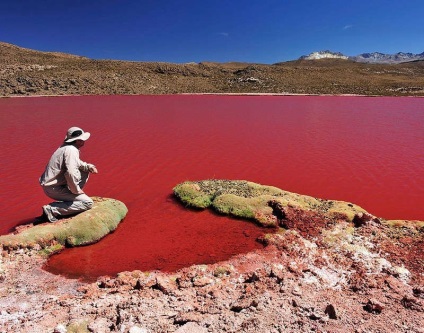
<point x="28" y="72"/>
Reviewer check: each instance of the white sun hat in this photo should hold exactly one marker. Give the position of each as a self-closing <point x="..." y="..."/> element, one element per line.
<point x="76" y="133"/>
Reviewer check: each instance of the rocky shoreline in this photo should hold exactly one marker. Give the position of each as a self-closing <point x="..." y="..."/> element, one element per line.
<point x="339" y="277"/>
<point x="263" y="291"/>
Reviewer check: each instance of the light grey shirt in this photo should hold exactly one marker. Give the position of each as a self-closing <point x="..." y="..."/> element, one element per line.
<point x="64" y="168"/>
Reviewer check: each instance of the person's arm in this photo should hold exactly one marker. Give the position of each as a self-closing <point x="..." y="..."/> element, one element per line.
<point x="87" y="167"/>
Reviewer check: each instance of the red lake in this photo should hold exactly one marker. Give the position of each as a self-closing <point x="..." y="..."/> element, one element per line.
<point x="369" y="151"/>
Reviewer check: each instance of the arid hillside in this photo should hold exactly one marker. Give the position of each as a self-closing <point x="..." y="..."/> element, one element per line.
<point x="29" y="72"/>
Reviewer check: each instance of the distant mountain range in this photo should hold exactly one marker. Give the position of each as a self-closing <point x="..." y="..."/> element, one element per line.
<point x="375" y="57"/>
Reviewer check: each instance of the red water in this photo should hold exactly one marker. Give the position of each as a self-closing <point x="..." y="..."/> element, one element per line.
<point x="369" y="151"/>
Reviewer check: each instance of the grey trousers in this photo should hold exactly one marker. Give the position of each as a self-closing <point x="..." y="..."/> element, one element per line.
<point x="68" y="203"/>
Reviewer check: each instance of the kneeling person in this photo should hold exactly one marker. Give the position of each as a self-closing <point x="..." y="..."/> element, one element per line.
<point x="65" y="176"/>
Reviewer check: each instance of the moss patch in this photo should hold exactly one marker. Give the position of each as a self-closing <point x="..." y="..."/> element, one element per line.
<point x="191" y="195"/>
<point x="410" y="224"/>
<point x="82" y="229"/>
<point x="78" y="327"/>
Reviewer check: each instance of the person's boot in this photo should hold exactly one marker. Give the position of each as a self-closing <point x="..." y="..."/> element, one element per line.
<point x="49" y="214"/>
<point x="41" y="219"/>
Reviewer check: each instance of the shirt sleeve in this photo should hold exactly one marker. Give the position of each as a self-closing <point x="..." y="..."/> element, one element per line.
<point x="73" y="174"/>
<point x="86" y="166"/>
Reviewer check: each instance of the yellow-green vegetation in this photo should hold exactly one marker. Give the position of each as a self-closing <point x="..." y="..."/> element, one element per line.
<point x="411" y="224"/>
<point x="49" y="250"/>
<point x="335" y="208"/>
<point x="78" y="327"/>
<point x="340" y="232"/>
<point x="249" y="200"/>
<point x="221" y="271"/>
<point x="401" y="228"/>
<point x="191" y="194"/>
<point x="82" y="229"/>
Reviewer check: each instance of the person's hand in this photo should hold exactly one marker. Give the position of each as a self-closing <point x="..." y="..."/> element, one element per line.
<point x="93" y="169"/>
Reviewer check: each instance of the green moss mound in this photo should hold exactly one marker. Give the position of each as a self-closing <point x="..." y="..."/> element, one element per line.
<point x="82" y="229"/>
<point x="244" y="199"/>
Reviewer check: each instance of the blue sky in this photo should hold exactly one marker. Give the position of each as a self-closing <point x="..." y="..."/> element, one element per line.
<point x="257" y="31"/>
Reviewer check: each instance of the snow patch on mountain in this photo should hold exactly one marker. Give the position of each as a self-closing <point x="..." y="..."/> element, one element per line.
<point x="324" y="55"/>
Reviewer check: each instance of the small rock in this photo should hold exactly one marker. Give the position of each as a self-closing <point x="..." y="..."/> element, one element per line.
<point x="394" y="284"/>
<point x="100" y="325"/>
<point x="296" y="291"/>
<point x="60" y="329"/>
<point x="106" y="282"/>
<point x="136" y="329"/>
<point x="361" y="219"/>
<point x="412" y="303"/>
<point x="191" y="317"/>
<point x="184" y="282"/>
<point x="191" y="328"/>
<point x="202" y="281"/>
<point x="252" y="277"/>
<point x="373" y="306"/>
<point x="165" y="285"/>
<point x="330" y="311"/>
<point x="418" y="291"/>
<point x="278" y="274"/>
<point x="244" y="304"/>
<point x="314" y="316"/>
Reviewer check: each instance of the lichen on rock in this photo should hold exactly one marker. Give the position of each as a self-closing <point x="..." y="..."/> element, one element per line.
<point x="82" y="229"/>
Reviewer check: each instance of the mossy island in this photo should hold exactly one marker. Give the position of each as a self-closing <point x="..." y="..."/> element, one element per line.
<point x="82" y="229"/>
<point x="270" y="206"/>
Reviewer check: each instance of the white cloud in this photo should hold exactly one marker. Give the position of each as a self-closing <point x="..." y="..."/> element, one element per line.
<point x="225" y="34"/>
<point x="349" y="26"/>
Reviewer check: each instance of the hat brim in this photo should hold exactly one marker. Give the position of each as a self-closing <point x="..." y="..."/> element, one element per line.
<point x="84" y="136"/>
